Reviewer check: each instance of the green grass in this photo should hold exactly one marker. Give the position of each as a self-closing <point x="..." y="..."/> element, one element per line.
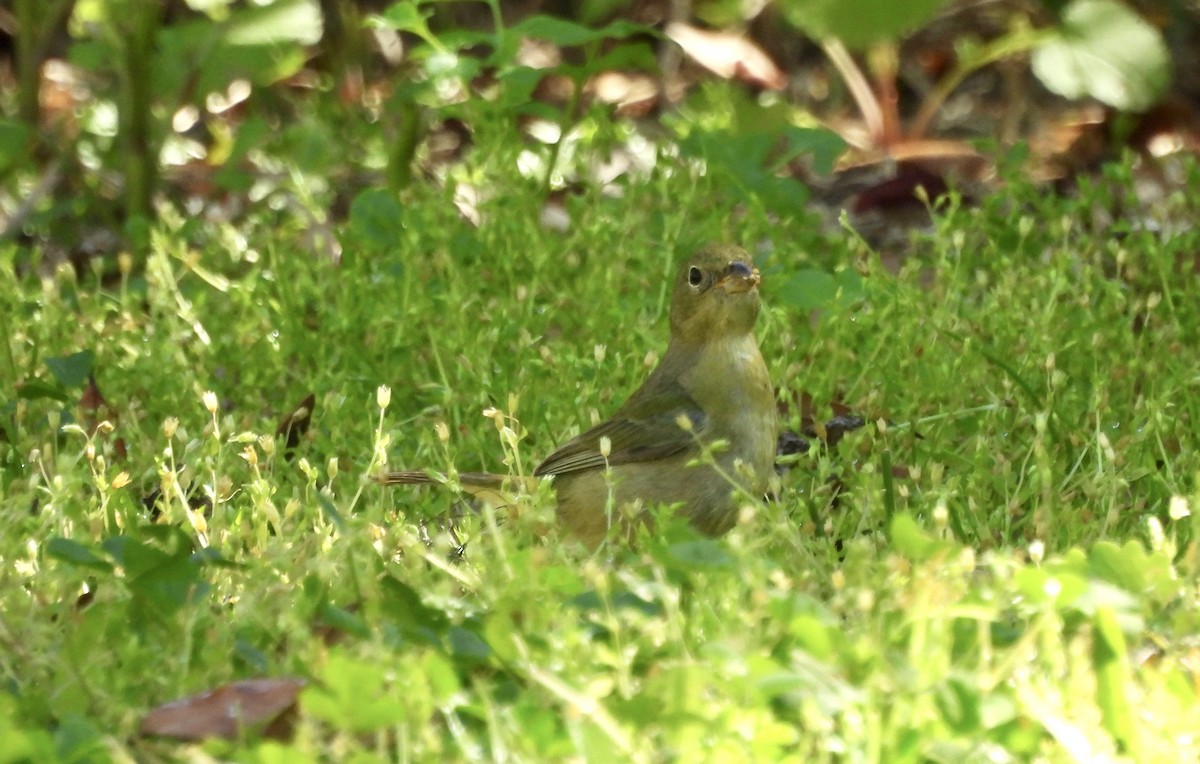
<point x="989" y="571"/>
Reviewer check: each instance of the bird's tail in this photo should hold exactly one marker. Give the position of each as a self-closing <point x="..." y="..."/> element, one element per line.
<point x="497" y="490"/>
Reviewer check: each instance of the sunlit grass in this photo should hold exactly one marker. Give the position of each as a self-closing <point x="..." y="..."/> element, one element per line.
<point x="1000" y="566"/>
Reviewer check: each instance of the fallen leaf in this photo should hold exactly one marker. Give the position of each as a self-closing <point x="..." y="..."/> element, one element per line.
<point x="259" y="705"/>
<point x="634" y="94"/>
<point x="728" y="55"/>
<point x="96" y="409"/>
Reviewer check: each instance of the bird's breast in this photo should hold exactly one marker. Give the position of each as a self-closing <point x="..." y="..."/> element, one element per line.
<point x="731" y="384"/>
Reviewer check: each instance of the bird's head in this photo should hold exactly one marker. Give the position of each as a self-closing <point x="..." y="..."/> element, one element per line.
<point x="715" y="295"/>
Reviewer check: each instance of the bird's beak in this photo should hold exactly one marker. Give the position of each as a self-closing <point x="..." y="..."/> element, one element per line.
<point x="739" y="277"/>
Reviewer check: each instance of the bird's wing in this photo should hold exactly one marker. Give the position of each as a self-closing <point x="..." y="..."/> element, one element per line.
<point x="644" y="429"/>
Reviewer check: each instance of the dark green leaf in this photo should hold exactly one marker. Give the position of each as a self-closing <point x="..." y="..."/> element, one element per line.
<point x="331" y="512"/>
<point x="76" y="739"/>
<point x="71" y="370"/>
<point x="824" y="146"/>
<point x="344" y="620"/>
<point x="568" y="33"/>
<point x="629" y="56"/>
<point x="403" y="606"/>
<point x="377" y="219"/>
<point x="67" y="550"/>
<point x="35" y="389"/>
<point x="465" y="643"/>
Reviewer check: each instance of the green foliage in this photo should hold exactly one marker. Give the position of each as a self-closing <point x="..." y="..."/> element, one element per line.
<point x="14" y="144"/>
<point x="445" y="63"/>
<point x="1007" y="536"/>
<point x="977" y="575"/>
<point x="71" y="370"/>
<point x="859" y="23"/>
<point x="1104" y="50"/>
<point x="813" y="289"/>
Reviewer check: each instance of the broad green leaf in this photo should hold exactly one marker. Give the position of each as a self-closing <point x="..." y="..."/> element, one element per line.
<point x="344" y="620"/>
<point x="1107" y="52"/>
<point x="1113" y="687"/>
<point x="377" y="219"/>
<point x="356" y="695"/>
<point x="36" y="388"/>
<point x="519" y="83"/>
<point x="912" y="541"/>
<point x="71" y="370"/>
<point x="629" y="55"/>
<point x="402" y="605"/>
<point x="295" y="21"/>
<point x="162" y="581"/>
<point x="465" y="643"/>
<point x="824" y="146"/>
<point x="742" y="158"/>
<point x="77" y="739"/>
<point x="810" y="289"/>
<point x="813" y="634"/>
<point x="958" y="701"/>
<point x="23" y="741"/>
<point x="68" y="550"/>
<point x="568" y="33"/>
<point x="1040" y="586"/>
<point x="1131" y="567"/>
<point x="404" y="16"/>
<point x="859" y="23"/>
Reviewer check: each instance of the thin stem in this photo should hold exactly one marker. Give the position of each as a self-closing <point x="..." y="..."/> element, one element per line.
<point x="860" y="88"/>
<point x="1001" y="48"/>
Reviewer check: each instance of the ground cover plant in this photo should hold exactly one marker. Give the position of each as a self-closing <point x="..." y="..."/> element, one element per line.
<point x="1007" y="569"/>
<point x="999" y="565"/>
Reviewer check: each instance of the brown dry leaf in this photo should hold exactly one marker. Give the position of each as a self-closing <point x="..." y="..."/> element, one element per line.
<point x="447" y="142"/>
<point x="63" y="89"/>
<point x="952" y="158"/>
<point x="227" y="712"/>
<point x="634" y="94"/>
<point x="1066" y="144"/>
<point x="96" y="409"/>
<point x="829" y="433"/>
<point x="900" y="190"/>
<point x="728" y="55"/>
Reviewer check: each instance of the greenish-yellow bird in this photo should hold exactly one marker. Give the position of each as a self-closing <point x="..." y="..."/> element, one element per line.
<point x="711" y="392"/>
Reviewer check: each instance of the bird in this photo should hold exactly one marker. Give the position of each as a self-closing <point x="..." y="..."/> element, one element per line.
<point x="699" y="434"/>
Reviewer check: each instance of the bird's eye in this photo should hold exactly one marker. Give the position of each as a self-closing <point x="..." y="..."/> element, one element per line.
<point x="695" y="276"/>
